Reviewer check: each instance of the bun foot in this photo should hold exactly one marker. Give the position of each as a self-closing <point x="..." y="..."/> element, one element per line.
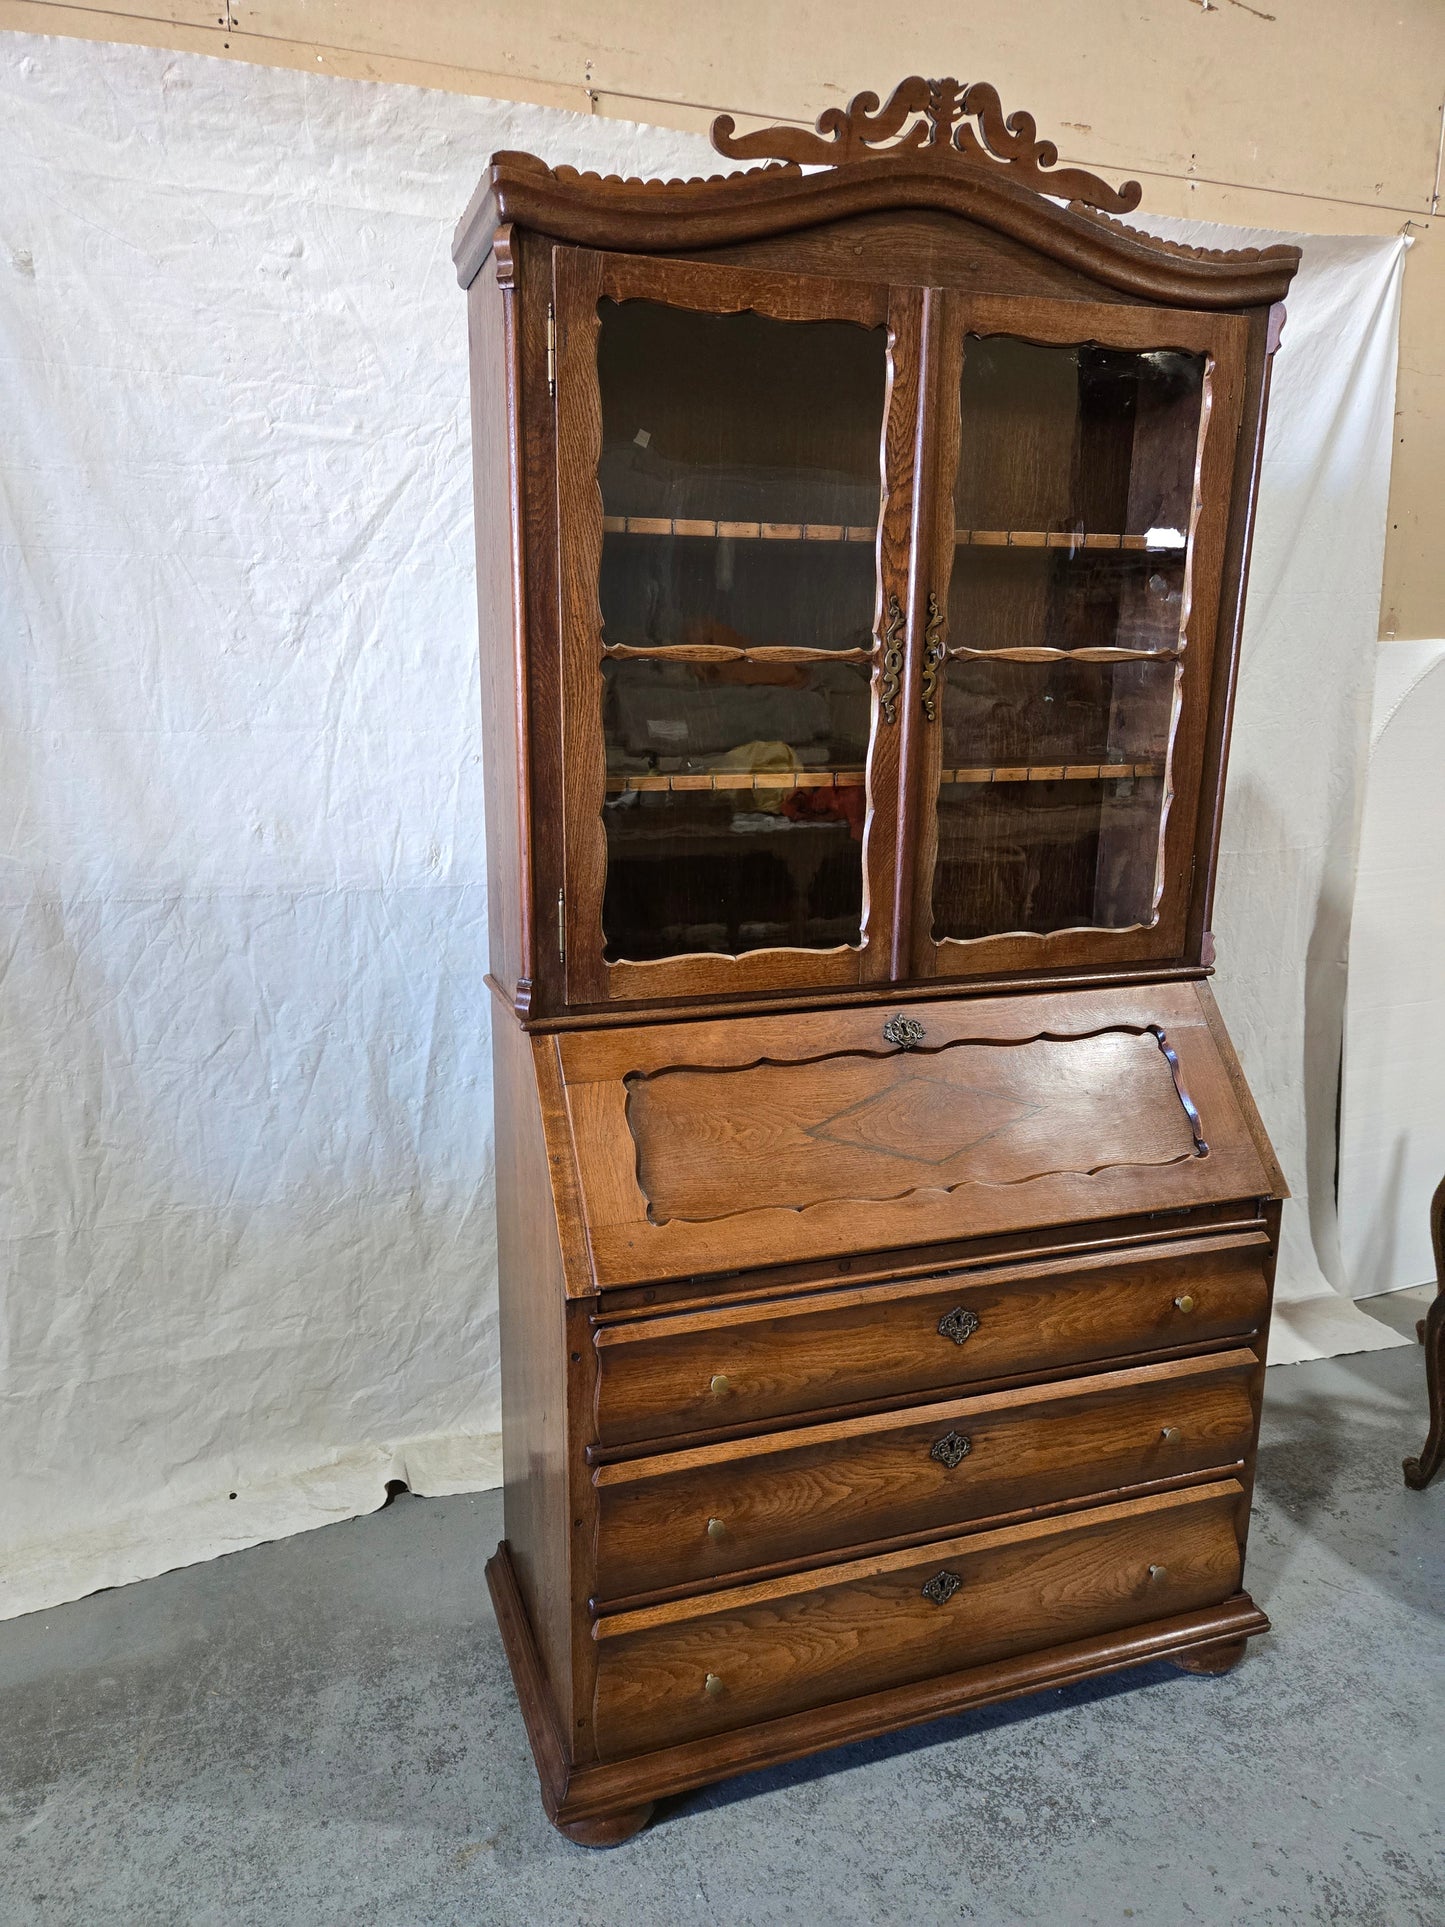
<point x="1222" y="1658"/>
<point x="608" y="1830"/>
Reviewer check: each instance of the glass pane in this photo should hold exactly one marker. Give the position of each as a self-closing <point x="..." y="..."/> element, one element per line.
<point x="741" y="484"/>
<point x="1080" y="440"/>
<point x="1027" y="598"/>
<point x="1050" y="802"/>
<point x="735" y="591"/>
<point x="735" y="805"/>
<point x="1073" y="510"/>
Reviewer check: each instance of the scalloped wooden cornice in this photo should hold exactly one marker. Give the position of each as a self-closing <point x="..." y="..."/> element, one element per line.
<point x="917" y="151"/>
<point x="860" y="132"/>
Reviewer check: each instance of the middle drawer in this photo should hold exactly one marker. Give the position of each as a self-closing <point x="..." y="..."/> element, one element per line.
<point x="680" y="1518"/>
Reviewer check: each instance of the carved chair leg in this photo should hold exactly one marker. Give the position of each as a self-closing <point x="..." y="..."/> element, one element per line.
<point x="608" y="1831"/>
<point x="1222" y="1658"/>
<point x="1419" y="1472"/>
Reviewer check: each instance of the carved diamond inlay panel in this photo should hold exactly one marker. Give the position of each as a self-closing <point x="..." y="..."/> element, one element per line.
<point x="714" y="1142"/>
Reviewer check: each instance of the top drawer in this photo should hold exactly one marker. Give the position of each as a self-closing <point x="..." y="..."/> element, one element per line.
<point x="729" y="1365"/>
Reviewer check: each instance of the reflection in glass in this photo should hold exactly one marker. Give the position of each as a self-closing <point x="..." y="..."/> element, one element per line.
<point x="740" y="479"/>
<point x="1039" y="856"/>
<point x="735" y="591"/>
<point x="1029" y="598"/>
<point x="1082" y="440"/>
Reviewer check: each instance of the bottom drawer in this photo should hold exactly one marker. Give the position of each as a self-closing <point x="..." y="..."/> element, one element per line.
<point x="699" y="1666"/>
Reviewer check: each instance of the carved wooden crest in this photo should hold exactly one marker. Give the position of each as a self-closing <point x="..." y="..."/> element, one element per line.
<point x="936" y="120"/>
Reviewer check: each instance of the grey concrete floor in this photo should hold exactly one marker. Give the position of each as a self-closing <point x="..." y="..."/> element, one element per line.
<point x="323" y="1731"/>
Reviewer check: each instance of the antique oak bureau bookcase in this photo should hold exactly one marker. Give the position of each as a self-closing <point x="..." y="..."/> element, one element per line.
<point x="886" y="1229"/>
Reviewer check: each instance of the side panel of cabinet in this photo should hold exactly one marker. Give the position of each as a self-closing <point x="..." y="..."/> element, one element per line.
<point x="618" y="783"/>
<point x="1033" y="794"/>
<point x="501" y="593"/>
<point x="532" y="1308"/>
<point x="1265" y="325"/>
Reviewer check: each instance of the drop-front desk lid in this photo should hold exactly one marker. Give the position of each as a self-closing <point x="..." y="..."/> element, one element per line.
<point x="749" y="1141"/>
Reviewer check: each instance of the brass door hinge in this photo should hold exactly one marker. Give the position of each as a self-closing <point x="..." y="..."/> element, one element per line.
<point x="561" y="928"/>
<point x="551" y="349"/>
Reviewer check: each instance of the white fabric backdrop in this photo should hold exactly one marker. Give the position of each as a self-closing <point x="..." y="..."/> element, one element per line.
<point x="1392" y="1121"/>
<point x="246" y="1166"/>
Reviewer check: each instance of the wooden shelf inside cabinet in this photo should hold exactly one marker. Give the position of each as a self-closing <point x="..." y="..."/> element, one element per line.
<point x="748" y="781"/>
<point x="1070" y="539"/>
<point x="741" y="781"/>
<point x="1051" y="773"/>
<point x="738" y="531"/>
<point x="761" y="652"/>
<point x="885" y="1231"/>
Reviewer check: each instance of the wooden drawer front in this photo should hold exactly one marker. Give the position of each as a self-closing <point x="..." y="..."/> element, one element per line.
<point x="681" y="1671"/>
<point x="685" y="1517"/>
<point x="731" y="1365"/>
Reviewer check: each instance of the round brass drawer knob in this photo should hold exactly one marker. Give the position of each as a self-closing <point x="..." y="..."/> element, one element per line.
<point x="718" y="1382"/>
<point x="716" y="1529"/>
<point x="1171" y="1435"/>
<point x="712" y="1685"/>
<point x="1184" y="1302"/>
<point x="1156" y="1573"/>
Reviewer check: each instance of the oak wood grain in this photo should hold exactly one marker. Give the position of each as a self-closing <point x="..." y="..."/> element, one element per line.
<point x="1029" y="1176"/>
<point x="743" y="1182"/>
<point x="532" y="1298"/>
<point x="669" y="217"/>
<point x="681" y="1517"/>
<point x="813" y="1351"/>
<point x="919" y="247"/>
<point x="856" y="1126"/>
<point x="816" y="1637"/>
<point x="592" y="1791"/>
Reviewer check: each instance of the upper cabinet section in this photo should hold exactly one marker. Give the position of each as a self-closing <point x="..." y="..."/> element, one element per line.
<point x="876" y="546"/>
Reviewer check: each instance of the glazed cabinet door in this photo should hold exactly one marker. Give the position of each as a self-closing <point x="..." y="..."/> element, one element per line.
<point x="1070" y="550"/>
<point x="734" y="481"/>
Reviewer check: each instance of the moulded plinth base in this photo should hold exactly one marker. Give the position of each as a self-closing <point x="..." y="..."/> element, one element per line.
<point x="602" y="1804"/>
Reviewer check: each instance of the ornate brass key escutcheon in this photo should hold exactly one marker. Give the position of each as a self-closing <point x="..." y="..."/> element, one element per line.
<point x="934" y="651"/>
<point x="906" y="1032"/>
<point x="941" y="1588"/>
<point x="951" y="1450"/>
<point x="892" y="677"/>
<point x="959" y="1324"/>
